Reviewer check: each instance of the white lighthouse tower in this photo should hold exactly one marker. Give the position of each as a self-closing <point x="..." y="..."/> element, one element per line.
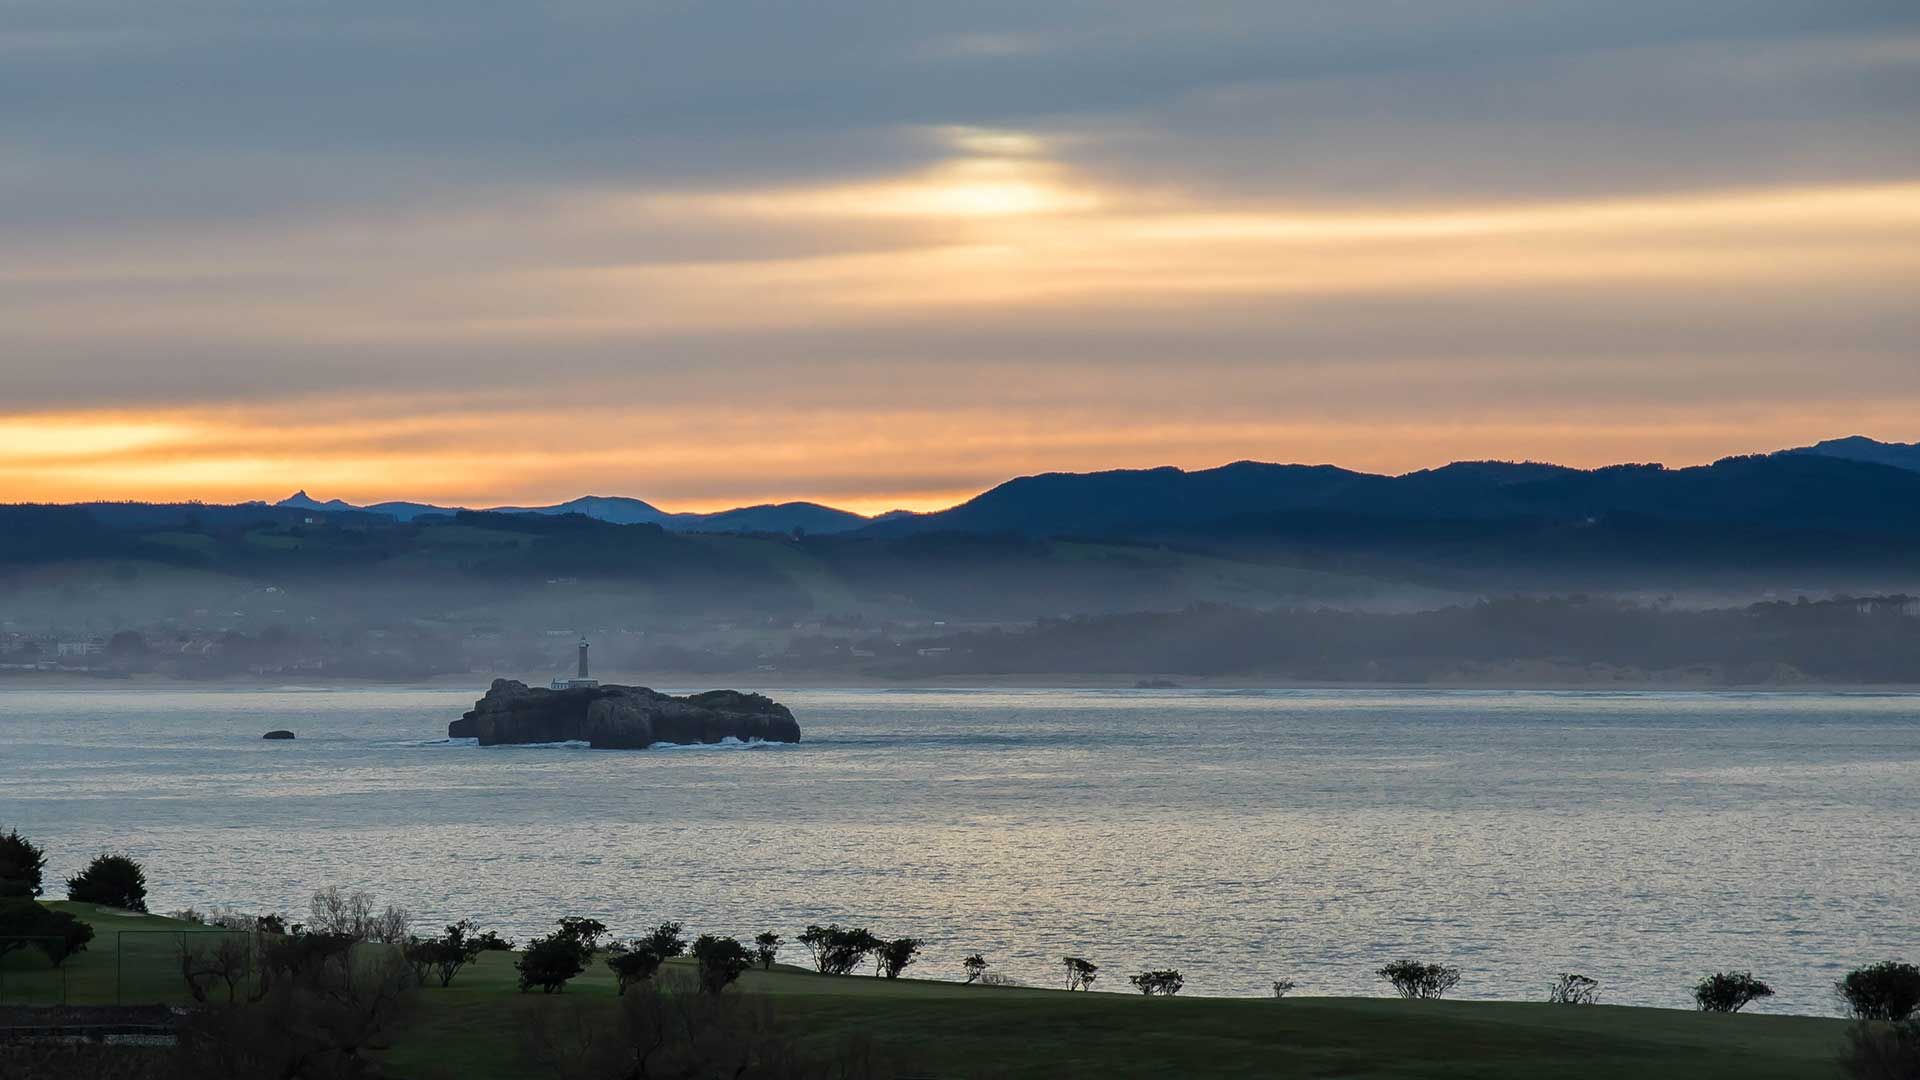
<point x="580" y="681"/>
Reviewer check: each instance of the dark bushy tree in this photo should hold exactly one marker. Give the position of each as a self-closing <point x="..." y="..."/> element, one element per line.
<point x="25" y="924"/>
<point x="550" y="961"/>
<point x="633" y="965"/>
<point x="22" y="866"/>
<point x="665" y="940"/>
<point x="1164" y="983"/>
<point x="1416" y="981"/>
<point x="444" y="956"/>
<point x="975" y="966"/>
<point x="1729" y="991"/>
<point x="1571" y="989"/>
<point x="722" y="959"/>
<point x="585" y="931"/>
<point x="894" y="956"/>
<point x="1080" y="972"/>
<point x="111" y="881"/>
<point x="765" y="948"/>
<point x="1885" y="991"/>
<point x="837" y="950"/>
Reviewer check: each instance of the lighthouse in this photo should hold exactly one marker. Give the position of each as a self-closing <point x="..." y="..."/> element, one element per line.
<point x="580" y="681"/>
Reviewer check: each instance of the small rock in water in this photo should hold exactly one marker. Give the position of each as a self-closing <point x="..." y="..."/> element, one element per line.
<point x="282" y="733"/>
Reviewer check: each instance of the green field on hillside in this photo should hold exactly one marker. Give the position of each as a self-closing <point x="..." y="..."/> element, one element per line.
<point x="473" y="1028"/>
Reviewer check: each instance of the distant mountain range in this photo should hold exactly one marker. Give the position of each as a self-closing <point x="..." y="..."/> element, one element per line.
<point x="1128" y="500"/>
<point x="618" y="510"/>
<point x="1861" y="448"/>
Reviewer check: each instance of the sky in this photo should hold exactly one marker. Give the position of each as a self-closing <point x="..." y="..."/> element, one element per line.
<point x="883" y="254"/>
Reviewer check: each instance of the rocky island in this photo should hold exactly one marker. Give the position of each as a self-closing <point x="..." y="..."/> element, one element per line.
<point x="611" y="717"/>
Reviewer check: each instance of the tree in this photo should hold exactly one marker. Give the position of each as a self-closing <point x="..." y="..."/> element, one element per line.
<point x="1080" y="972"/>
<point x="894" y="956"/>
<point x="22" y="866"/>
<point x="721" y="959"/>
<point x="1164" y="983"/>
<point x="1729" y="991"/>
<point x="1416" y="981"/>
<point x="766" y="946"/>
<point x="229" y="961"/>
<point x="444" y="956"/>
<point x="111" y="881"/>
<point x="1282" y="987"/>
<point x="334" y="912"/>
<point x="837" y="950"/>
<point x="24" y="923"/>
<point x="585" y="931"/>
<point x="1571" y="989"/>
<point x="1883" y="991"/>
<point x="975" y="966"/>
<point x="665" y="940"/>
<point x="630" y="966"/>
<point x="320" y="1016"/>
<point x="550" y="961"/>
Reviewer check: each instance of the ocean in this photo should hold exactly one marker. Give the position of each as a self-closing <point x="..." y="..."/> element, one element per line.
<point x="1642" y="839"/>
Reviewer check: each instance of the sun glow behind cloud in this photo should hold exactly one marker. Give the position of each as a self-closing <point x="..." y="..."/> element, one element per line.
<point x="1001" y="301"/>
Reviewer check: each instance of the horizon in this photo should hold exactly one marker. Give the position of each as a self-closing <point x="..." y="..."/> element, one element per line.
<point x="857" y="506"/>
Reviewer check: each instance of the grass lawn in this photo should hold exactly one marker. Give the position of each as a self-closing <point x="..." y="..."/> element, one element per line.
<point x="469" y="1029"/>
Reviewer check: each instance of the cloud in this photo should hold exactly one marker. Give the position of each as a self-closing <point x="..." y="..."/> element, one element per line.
<point x="924" y="247"/>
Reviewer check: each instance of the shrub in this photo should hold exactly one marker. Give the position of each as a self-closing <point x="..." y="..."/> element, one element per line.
<point x="444" y="956"/>
<point x="25" y="924"/>
<point x="491" y="941"/>
<point x="1883" y="1051"/>
<point x="633" y="965"/>
<point x="722" y="959"/>
<point x="1414" y="980"/>
<point x="975" y="966"/>
<point x="1883" y="991"/>
<point x="1282" y="987"/>
<point x="1729" y="991"/>
<point x="837" y="950"/>
<point x="1165" y="983"/>
<point x="550" y="961"/>
<point x="114" y="881"/>
<point x="1080" y="972"/>
<point x="895" y="955"/>
<point x="22" y="866"/>
<point x="765" y="947"/>
<point x="1571" y="989"/>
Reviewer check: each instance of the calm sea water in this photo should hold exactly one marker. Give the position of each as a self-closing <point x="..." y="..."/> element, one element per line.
<point x="1242" y="836"/>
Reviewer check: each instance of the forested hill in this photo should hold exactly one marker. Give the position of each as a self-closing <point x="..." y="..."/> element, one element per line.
<point x="1778" y="492"/>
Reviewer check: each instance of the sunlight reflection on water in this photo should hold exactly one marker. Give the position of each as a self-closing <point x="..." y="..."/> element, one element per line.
<point x="1242" y="836"/>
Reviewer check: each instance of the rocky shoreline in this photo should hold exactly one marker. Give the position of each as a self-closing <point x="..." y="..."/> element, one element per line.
<point x="612" y="717"/>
